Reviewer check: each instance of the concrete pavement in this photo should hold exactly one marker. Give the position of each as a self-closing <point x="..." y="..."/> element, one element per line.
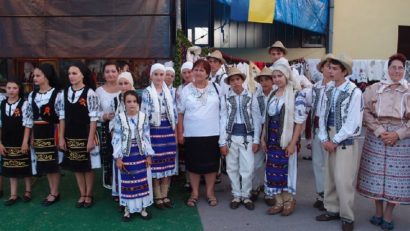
<point x="222" y="217"/>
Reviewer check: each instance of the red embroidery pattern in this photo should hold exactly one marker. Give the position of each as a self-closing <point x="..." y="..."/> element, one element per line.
<point x="83" y="102"/>
<point x="17" y="112"/>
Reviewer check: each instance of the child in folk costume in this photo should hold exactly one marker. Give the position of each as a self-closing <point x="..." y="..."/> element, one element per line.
<point x="240" y="134"/>
<point x="264" y="78"/>
<point x="159" y="106"/>
<point x="285" y="115"/>
<point x="1" y="177"/>
<point x="79" y="112"/>
<point x="132" y="152"/>
<point x="106" y="93"/>
<point x="16" y="160"/>
<point x="125" y="83"/>
<point x="42" y="119"/>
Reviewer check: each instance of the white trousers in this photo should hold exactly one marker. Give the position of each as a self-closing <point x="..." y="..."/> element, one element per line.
<point x="318" y="162"/>
<point x="240" y="165"/>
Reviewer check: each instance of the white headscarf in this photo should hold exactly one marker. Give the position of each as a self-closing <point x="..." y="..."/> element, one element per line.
<point x="171" y="69"/>
<point x="156" y="115"/>
<point x="387" y="81"/>
<point x="290" y="93"/>
<point x="127" y="76"/>
<point x="187" y="65"/>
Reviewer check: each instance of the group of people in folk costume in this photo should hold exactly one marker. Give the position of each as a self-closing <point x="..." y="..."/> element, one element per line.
<point x="213" y="114"/>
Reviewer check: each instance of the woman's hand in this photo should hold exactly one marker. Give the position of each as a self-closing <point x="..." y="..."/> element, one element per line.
<point x="24" y="148"/>
<point x="263" y="147"/>
<point x="90" y="145"/>
<point x="119" y="164"/>
<point x="149" y="160"/>
<point x="389" y="138"/>
<point x="62" y="144"/>
<point x="3" y="150"/>
<point x="181" y="139"/>
<point x="255" y="148"/>
<point x="290" y="149"/>
<point x="224" y="150"/>
<point x="108" y="116"/>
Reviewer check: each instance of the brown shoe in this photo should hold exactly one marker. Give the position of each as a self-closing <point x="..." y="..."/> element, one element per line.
<point x="288" y="207"/>
<point x="347" y="226"/>
<point x="235" y="203"/>
<point x="327" y="217"/>
<point x="275" y="209"/>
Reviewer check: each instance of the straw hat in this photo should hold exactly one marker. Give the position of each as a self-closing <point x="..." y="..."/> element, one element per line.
<point x="234" y="71"/>
<point x="265" y="72"/>
<point x="345" y="61"/>
<point x="216" y="54"/>
<point x="279" y="44"/>
<point x="323" y="60"/>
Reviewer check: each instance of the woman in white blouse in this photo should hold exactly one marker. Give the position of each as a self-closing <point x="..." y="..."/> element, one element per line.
<point x="79" y="113"/>
<point x="106" y="93"/>
<point x="199" y="123"/>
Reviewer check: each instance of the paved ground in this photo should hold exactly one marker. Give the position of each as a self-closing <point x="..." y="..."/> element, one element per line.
<point x="223" y="218"/>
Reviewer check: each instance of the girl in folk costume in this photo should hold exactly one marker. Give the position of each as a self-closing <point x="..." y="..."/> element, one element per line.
<point x="159" y="106"/>
<point x="125" y="83"/>
<point x="106" y="93"/>
<point x="285" y="115"/>
<point x="79" y="113"/>
<point x="186" y="74"/>
<point x="42" y="118"/>
<point x="16" y="157"/>
<point x="132" y="152"/>
<point x="169" y="80"/>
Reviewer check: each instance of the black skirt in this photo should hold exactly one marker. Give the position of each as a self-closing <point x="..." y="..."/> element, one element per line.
<point x="202" y="154"/>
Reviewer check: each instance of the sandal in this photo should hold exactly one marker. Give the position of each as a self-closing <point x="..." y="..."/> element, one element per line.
<point x="27" y="196"/>
<point x="80" y="204"/>
<point x="89" y="204"/>
<point x="145" y="215"/>
<point x="159" y="203"/>
<point x="168" y="203"/>
<point x="12" y="200"/>
<point x="375" y="220"/>
<point x="48" y="203"/>
<point x="212" y="201"/>
<point x="387" y="225"/>
<point x="191" y="202"/>
<point x="126" y="217"/>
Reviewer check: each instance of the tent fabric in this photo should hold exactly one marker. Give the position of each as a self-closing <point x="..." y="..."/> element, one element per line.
<point x="87" y="29"/>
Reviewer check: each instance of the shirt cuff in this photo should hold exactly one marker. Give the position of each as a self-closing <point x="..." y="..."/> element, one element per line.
<point x="379" y="131"/>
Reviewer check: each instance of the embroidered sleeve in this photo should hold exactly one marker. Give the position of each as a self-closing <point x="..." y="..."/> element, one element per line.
<point x="404" y="131"/>
<point x="147" y="140"/>
<point x="369" y="115"/>
<point x="222" y="121"/>
<point x="145" y="103"/>
<point x="257" y="120"/>
<point x="323" y="136"/>
<point x="93" y="105"/>
<point x="60" y="105"/>
<point x="28" y="112"/>
<point x="300" y="107"/>
<point x="116" y="138"/>
<point x="353" y="120"/>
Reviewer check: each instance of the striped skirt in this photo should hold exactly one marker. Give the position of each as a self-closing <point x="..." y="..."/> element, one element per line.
<point x="384" y="172"/>
<point x="163" y="141"/>
<point x="135" y="183"/>
<point x="280" y="172"/>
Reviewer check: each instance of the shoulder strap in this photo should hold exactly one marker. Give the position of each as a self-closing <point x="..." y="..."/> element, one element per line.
<point x="216" y="89"/>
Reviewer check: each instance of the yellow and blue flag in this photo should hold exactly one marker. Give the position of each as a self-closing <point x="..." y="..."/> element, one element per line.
<point x="261" y="11"/>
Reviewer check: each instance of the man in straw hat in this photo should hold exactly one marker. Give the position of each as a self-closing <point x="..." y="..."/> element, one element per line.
<point x="240" y="136"/>
<point x="318" y="155"/>
<point x="265" y="88"/>
<point x="277" y="51"/>
<point x="340" y="122"/>
<point x="218" y="73"/>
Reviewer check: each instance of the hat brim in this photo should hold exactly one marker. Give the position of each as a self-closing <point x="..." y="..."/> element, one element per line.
<point x="345" y="65"/>
<point x="258" y="77"/>
<point x="284" y="50"/>
<point x="230" y="76"/>
<point x="213" y="57"/>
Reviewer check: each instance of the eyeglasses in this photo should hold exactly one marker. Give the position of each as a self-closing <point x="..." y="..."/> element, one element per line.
<point x="397" y="68"/>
